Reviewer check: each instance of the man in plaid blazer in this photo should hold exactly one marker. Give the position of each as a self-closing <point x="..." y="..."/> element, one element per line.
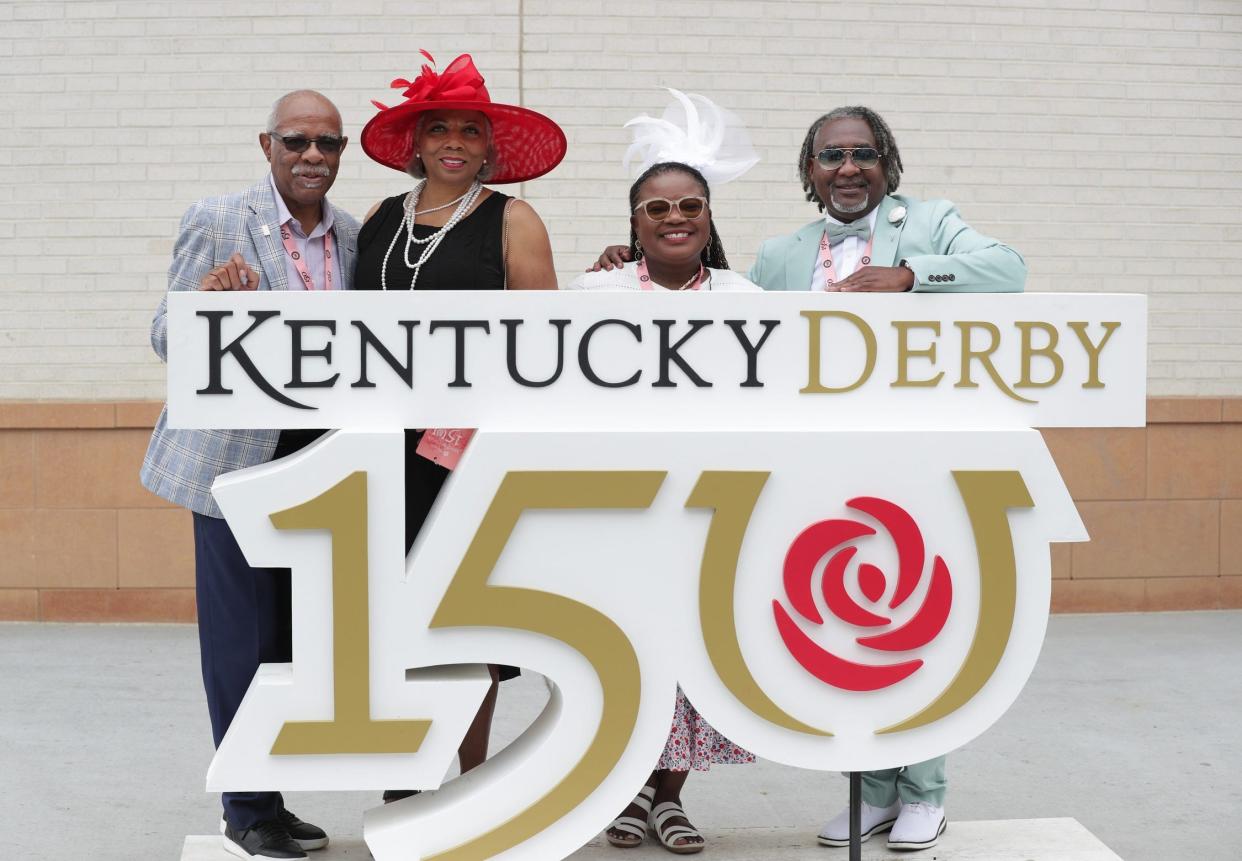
<point x="245" y="242"/>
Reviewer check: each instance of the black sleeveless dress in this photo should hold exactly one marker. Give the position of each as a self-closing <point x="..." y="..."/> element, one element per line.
<point x="470" y="257"/>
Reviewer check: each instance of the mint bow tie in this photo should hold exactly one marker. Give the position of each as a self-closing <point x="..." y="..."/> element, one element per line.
<point x="860" y="228"/>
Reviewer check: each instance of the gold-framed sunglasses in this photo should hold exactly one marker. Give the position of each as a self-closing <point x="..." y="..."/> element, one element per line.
<point x="833" y="157"/>
<point x="659" y="208"/>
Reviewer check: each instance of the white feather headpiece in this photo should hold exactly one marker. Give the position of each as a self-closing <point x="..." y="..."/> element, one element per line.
<point x="696" y="131"/>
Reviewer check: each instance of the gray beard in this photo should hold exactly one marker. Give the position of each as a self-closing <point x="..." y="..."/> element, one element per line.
<point x="857" y="207"/>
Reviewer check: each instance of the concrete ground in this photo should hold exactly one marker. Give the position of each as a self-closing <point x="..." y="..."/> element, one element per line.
<point x="1131" y="725"/>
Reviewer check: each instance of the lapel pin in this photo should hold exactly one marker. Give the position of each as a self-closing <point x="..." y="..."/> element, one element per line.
<point x="266" y="231"/>
<point x="897" y="216"/>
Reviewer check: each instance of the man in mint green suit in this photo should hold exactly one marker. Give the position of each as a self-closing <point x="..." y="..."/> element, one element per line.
<point x="914" y="245"/>
<point x="873" y="240"/>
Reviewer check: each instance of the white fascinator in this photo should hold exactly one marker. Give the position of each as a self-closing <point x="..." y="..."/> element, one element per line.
<point x="696" y="131"/>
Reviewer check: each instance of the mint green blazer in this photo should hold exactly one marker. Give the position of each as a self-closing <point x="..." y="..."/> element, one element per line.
<point x="946" y="254"/>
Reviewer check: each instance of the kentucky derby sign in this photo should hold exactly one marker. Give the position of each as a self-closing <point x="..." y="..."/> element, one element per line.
<point x="850" y="598"/>
<point x="370" y="360"/>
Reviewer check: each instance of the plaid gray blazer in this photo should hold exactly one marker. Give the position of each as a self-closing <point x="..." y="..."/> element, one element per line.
<point x="180" y="465"/>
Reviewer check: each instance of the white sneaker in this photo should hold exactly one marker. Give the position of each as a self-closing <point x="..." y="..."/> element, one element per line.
<point x="874" y="821"/>
<point x="918" y="826"/>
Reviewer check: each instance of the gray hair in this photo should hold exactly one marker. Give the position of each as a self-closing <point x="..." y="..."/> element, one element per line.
<point x="415" y="167"/>
<point x="274" y="115"/>
<point x="890" y="156"/>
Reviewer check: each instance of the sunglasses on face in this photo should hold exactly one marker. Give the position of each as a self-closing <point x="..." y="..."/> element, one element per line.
<point x="301" y="143"/>
<point x="660" y="208"/>
<point x="834" y="157"/>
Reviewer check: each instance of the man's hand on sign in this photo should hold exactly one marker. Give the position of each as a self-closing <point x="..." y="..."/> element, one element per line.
<point x="235" y="274"/>
<point x="614" y="257"/>
<point x="877" y="279"/>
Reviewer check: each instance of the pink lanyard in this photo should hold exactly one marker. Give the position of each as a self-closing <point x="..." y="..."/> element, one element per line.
<point x="830" y="269"/>
<point x="286" y="236"/>
<point x="645" y="282"/>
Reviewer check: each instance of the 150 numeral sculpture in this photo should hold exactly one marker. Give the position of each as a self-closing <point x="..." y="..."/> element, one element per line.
<point x="848" y="579"/>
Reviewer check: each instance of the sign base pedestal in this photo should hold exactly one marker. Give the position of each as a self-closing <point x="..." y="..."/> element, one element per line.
<point x="998" y="840"/>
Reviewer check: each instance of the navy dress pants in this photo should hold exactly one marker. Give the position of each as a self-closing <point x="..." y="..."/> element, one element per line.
<point x="243" y="621"/>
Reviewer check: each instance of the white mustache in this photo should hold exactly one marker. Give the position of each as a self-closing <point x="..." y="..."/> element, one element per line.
<point x="311" y="170"/>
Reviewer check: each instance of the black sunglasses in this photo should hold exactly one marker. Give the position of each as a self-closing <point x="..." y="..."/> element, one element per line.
<point x="834" y="157"/>
<point x="301" y="143"/>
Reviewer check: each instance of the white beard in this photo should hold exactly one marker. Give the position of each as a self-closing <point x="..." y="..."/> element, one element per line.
<point x="857" y="207"/>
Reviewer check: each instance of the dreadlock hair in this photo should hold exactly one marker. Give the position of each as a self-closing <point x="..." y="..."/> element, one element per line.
<point x="885" y="142"/>
<point x="713" y="255"/>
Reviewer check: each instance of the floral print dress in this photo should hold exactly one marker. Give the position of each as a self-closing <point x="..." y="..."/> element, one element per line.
<point x="694" y="744"/>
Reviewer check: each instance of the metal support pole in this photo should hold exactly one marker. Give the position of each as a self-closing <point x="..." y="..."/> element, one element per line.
<point x="855" y="816"/>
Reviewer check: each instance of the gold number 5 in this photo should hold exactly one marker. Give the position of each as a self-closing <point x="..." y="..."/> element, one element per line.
<point x="470" y="601"/>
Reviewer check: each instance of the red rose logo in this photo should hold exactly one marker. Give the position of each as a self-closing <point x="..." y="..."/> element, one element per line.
<point x="834" y="537"/>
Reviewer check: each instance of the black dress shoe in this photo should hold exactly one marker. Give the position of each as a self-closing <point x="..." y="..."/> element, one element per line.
<point x="303" y="833"/>
<point x="265" y="840"/>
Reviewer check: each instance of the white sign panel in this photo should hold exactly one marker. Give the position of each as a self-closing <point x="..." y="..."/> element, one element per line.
<point x="544" y="359"/>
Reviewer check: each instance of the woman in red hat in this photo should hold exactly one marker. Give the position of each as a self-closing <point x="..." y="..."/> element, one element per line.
<point x="452" y="233"/>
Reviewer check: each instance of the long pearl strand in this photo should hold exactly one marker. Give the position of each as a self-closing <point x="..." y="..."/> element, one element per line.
<point x="430" y="243"/>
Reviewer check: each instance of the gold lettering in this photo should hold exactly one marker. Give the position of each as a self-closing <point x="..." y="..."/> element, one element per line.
<point x="905" y="353"/>
<point x="814" y="319"/>
<point x="1093" y="350"/>
<point x="984" y="357"/>
<point x="1048" y="351"/>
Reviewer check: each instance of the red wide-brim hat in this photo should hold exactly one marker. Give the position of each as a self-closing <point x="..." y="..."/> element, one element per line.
<point x="526" y="143"/>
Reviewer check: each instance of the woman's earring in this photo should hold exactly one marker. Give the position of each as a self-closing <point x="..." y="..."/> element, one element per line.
<point x="638" y="250"/>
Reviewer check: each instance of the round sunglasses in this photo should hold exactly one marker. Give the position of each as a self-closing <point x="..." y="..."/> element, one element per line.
<point x="659" y="208"/>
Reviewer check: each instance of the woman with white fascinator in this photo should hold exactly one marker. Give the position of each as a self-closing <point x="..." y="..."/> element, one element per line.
<point x="674" y="243"/>
<point x="675" y="246"/>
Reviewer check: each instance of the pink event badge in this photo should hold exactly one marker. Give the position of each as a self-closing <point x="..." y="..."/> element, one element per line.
<point x="444" y="445"/>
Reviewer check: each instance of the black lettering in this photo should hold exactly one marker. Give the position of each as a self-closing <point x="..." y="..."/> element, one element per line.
<point x="368" y="339"/>
<point x="584" y="356"/>
<point x="298" y="353"/>
<point x="752" y="350"/>
<point x="668" y="353"/>
<point x="460" y="327"/>
<point x="216" y="353"/>
<point x="511" y="353"/>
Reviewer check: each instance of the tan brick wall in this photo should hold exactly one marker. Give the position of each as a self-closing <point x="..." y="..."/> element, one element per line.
<point x="1163" y="507"/>
<point x="1098" y="137"/>
<point x="80" y="540"/>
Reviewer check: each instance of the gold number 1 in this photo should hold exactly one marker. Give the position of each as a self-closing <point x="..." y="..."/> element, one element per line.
<point x="342" y="511"/>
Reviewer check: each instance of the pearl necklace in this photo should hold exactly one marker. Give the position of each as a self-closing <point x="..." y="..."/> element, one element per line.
<point x="441" y="206"/>
<point x="431" y="242"/>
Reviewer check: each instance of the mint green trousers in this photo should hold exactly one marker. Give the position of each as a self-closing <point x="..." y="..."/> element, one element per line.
<point x="922" y="782"/>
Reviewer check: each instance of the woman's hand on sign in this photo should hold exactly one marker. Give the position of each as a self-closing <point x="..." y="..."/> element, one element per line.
<point x="235" y="274"/>
<point x="877" y="279"/>
<point x="614" y="257"/>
